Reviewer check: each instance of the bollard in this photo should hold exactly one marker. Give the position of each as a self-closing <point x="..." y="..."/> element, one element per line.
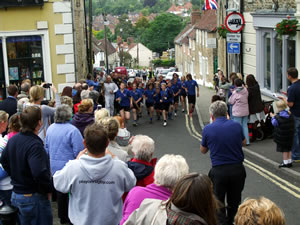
<point x="8" y="214"/>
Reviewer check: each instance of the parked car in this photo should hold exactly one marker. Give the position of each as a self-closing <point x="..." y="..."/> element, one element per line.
<point x="163" y="73"/>
<point x="131" y="73"/>
<point x="121" y="70"/>
<point x="170" y="75"/>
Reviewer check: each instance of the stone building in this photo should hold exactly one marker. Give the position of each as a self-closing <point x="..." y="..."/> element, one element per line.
<point x="43" y="42"/>
<point x="195" y="47"/>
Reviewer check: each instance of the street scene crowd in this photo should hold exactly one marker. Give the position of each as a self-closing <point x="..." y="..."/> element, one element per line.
<point x="75" y="148"/>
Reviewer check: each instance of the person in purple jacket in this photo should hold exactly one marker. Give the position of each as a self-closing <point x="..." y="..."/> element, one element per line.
<point x="169" y="169"/>
<point x="240" y="107"/>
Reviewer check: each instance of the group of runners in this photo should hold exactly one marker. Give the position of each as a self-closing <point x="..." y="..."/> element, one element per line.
<point x="160" y="96"/>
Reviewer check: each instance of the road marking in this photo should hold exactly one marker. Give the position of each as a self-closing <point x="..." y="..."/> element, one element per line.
<point x="273" y="181"/>
<point x="281" y="183"/>
<point x="192" y="123"/>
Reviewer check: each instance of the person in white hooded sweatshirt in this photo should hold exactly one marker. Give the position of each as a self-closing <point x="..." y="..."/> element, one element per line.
<point x="95" y="181"/>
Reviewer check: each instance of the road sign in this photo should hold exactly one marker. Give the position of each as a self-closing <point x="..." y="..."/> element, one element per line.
<point x="233" y="38"/>
<point x="235" y="22"/>
<point x="233" y="48"/>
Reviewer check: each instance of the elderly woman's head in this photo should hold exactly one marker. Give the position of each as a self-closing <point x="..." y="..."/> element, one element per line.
<point x="66" y="100"/>
<point x="143" y="147"/>
<point x="193" y="193"/>
<point x="86" y="106"/>
<point x="101" y="114"/>
<point x="63" y="114"/>
<point x="169" y="169"/>
<point x="111" y="127"/>
<point x="260" y="211"/>
<point x="84" y="94"/>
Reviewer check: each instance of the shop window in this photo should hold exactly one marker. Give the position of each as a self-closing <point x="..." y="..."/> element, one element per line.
<point x="267" y="57"/>
<point x="278" y="64"/>
<point x="291" y="54"/>
<point x="2" y="78"/>
<point x="25" y="59"/>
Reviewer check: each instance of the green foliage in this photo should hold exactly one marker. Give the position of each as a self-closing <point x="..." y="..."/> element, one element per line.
<point x="127" y="28"/>
<point x="149" y="3"/>
<point x="161" y="32"/>
<point x="163" y="63"/>
<point x="287" y="27"/>
<point x="125" y="58"/>
<point x="222" y="31"/>
<point x="100" y="34"/>
<point x="145" y="11"/>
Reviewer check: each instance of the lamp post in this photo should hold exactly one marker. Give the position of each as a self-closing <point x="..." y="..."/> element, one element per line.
<point x="105" y="42"/>
<point x="122" y="58"/>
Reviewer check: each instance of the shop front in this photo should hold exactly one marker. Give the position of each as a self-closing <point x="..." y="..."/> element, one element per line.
<point x="23" y="56"/>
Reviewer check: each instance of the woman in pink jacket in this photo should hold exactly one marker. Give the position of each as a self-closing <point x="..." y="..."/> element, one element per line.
<point x="240" y="109"/>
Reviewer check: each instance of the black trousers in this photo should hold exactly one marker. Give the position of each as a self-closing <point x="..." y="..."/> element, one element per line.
<point x="62" y="207"/>
<point x="228" y="182"/>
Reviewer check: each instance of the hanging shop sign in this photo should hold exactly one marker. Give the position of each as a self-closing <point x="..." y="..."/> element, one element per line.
<point x="235" y="22"/>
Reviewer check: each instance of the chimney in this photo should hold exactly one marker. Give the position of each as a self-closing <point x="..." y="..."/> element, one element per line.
<point x="195" y="17"/>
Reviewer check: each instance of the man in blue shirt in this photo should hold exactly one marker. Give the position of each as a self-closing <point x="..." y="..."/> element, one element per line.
<point x="190" y="88"/>
<point x="293" y="102"/>
<point x="224" y="138"/>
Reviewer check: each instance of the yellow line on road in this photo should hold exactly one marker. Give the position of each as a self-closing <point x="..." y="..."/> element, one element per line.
<point x="281" y="183"/>
<point x="273" y="181"/>
<point x="274" y="176"/>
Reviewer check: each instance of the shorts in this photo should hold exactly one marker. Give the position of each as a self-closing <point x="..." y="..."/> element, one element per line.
<point x="176" y="99"/>
<point x="135" y="107"/>
<point x="157" y="106"/>
<point x="149" y="104"/>
<point x="183" y="94"/>
<point x="192" y="99"/>
<point x="165" y="106"/>
<point x="125" y="108"/>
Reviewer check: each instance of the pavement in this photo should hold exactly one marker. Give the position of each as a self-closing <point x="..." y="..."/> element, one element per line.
<point x="263" y="151"/>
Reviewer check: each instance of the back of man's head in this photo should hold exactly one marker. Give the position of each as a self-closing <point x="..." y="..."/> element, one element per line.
<point x="12" y="90"/>
<point x="218" y="109"/>
<point x="25" y="87"/>
<point x="293" y="72"/>
<point x="96" y="139"/>
<point x="30" y="118"/>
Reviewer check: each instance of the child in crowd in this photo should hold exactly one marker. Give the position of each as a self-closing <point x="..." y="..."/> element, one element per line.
<point x="14" y="125"/>
<point x="283" y="133"/>
<point x="123" y="135"/>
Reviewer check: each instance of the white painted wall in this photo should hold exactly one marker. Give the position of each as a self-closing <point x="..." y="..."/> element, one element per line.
<point x="249" y="46"/>
<point x="145" y="55"/>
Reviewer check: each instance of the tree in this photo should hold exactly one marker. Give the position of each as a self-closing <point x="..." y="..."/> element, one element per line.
<point x="162" y="31"/>
<point x="100" y="34"/>
<point x="127" y="28"/>
<point x="149" y="3"/>
<point x="142" y="23"/>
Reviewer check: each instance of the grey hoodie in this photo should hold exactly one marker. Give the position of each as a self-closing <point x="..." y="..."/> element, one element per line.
<point x="96" y="186"/>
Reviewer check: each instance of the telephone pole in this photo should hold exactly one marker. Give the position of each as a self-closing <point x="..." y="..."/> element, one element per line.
<point x="105" y="43"/>
<point x="90" y="57"/>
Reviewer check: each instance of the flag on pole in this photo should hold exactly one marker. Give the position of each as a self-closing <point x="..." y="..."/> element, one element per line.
<point x="210" y="5"/>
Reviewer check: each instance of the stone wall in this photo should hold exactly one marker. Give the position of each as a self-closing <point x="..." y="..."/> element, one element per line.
<point x="253" y="5"/>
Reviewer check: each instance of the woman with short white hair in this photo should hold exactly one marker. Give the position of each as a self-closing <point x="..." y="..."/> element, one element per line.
<point x="142" y="163"/>
<point x="101" y="114"/>
<point x="169" y="169"/>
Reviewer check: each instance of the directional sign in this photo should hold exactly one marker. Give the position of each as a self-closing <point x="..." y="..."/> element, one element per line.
<point x="233" y="48"/>
<point x="236" y="38"/>
<point x="235" y="22"/>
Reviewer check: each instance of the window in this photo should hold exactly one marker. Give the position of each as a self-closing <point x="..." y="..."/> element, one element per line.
<point x="25" y="59"/>
<point x="205" y="39"/>
<point x="200" y="37"/>
<point x="267" y="57"/>
<point x="197" y="36"/>
<point x="207" y="72"/>
<point x="200" y="63"/>
<point x="278" y="64"/>
<point x="193" y="45"/>
<point x="190" y="43"/>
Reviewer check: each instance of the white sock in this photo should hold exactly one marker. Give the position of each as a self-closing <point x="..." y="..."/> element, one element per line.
<point x="285" y="161"/>
<point x="290" y="160"/>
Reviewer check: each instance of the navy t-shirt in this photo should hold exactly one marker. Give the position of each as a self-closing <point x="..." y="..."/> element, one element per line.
<point x="125" y="97"/>
<point x="224" y="138"/>
<point x="176" y="87"/>
<point x="191" y="86"/>
<point x="135" y="94"/>
<point x="164" y="95"/>
<point x="149" y="95"/>
<point x="294" y="96"/>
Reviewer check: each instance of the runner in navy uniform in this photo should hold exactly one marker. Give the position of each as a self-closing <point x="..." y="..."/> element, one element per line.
<point x="149" y="96"/>
<point x="190" y="87"/>
<point x="157" y="103"/>
<point x="183" y="94"/>
<point x="176" y="87"/>
<point x="136" y="98"/>
<point x="164" y="101"/>
<point x="123" y="97"/>
<point x="170" y="99"/>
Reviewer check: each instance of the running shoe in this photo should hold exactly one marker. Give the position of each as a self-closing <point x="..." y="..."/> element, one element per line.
<point x="175" y="114"/>
<point x="183" y="110"/>
<point x="134" y="124"/>
<point x="165" y="124"/>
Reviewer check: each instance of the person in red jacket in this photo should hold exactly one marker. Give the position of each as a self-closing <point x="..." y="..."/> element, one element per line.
<point x="142" y="163"/>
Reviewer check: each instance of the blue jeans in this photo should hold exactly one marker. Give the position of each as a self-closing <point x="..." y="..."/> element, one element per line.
<point x="33" y="210"/>
<point x="296" y="142"/>
<point x="244" y="123"/>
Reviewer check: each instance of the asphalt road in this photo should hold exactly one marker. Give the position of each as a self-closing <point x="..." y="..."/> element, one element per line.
<point x="182" y="136"/>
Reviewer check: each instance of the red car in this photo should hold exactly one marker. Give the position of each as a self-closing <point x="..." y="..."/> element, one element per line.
<point x="121" y="70"/>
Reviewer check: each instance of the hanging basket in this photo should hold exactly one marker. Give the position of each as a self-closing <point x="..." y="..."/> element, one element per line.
<point x="222" y="31"/>
<point x="287" y="27"/>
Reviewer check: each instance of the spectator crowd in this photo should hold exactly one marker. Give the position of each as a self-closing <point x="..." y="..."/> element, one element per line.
<point x="75" y="151"/>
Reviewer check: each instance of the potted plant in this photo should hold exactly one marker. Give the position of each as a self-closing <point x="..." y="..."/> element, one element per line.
<point x="287" y="27"/>
<point x="222" y="31"/>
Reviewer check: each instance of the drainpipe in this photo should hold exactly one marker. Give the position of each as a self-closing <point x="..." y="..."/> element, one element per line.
<point x="241" y="45"/>
<point x="297" y="15"/>
<point x="74" y="40"/>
